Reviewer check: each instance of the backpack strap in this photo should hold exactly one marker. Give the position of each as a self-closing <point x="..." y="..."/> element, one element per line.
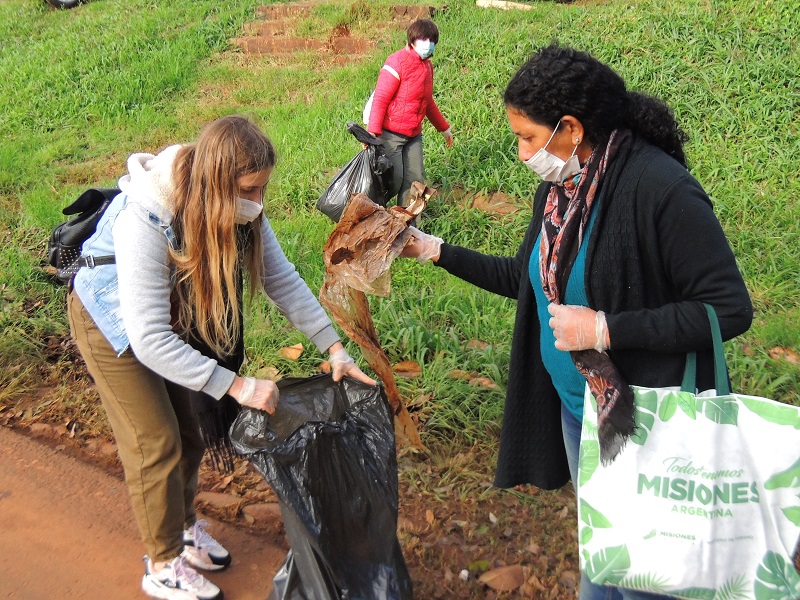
<point x="91" y="262"/>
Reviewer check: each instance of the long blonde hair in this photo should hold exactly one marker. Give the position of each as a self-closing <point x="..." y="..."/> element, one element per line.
<point x="208" y="259"/>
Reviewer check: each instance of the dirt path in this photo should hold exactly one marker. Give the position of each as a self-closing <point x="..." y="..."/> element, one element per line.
<point x="66" y="531"/>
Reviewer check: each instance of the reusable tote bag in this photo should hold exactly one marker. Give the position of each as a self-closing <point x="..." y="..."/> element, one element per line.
<point x="703" y="501"/>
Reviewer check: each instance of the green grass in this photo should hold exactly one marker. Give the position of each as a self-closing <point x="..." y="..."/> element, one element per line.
<point x="82" y="89"/>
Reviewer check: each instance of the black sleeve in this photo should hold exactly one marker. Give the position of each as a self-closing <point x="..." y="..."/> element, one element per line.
<point x="699" y="267"/>
<point x="498" y="274"/>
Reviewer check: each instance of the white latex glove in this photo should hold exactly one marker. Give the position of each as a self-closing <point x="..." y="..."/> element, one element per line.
<point x="578" y="327"/>
<point x="342" y="364"/>
<point x="448" y="137"/>
<point x="423" y="246"/>
<point x="261" y="394"/>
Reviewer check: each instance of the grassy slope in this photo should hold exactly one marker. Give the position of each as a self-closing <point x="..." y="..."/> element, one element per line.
<point x="82" y="89"/>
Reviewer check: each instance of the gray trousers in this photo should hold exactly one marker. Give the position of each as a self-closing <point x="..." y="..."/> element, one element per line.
<point x="406" y="156"/>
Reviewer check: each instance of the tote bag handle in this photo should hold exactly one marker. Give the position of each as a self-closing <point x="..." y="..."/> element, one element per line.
<point x="689" y="383"/>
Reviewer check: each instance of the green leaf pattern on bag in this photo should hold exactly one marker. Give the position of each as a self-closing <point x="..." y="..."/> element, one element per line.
<point x="609" y="565"/>
<point x="593" y="517"/>
<point x="589" y="460"/>
<point x="720" y="409"/>
<point x="667" y="407"/>
<point x="776" y="579"/>
<point x="699" y="593"/>
<point x="586" y="535"/>
<point x="687" y="404"/>
<point x="793" y="514"/>
<point x="785" y="479"/>
<point x="774" y="413"/>
<point x="649" y="582"/>
<point x="734" y="589"/>
<point x="646" y="408"/>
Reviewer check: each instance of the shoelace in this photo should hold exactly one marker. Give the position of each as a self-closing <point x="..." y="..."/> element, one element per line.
<point x="201" y="538"/>
<point x="183" y="572"/>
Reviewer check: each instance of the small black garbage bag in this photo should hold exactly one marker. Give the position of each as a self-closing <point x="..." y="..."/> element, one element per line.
<point x="329" y="454"/>
<point x="368" y="172"/>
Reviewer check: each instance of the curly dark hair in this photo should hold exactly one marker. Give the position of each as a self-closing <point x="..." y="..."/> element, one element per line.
<point x="558" y="81"/>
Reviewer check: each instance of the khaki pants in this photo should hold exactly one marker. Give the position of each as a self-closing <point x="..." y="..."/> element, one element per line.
<point x="157" y="436"/>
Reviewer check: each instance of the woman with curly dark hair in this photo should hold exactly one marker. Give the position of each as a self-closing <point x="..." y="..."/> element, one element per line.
<point x="610" y="280"/>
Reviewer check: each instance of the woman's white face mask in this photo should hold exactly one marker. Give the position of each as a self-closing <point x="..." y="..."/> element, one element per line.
<point x="247" y="211"/>
<point x="552" y="168"/>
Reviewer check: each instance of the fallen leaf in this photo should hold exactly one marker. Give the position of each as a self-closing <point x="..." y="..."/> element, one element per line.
<point x="568" y="579"/>
<point x="407" y="369"/>
<point x="324" y="367"/>
<point x="226" y="481"/>
<point x="789" y="356"/>
<point x="477" y="344"/>
<point x="291" y="352"/>
<point x="504" y="579"/>
<point x="484" y="382"/>
<point x="268" y="373"/>
<point x="535" y="583"/>
<point x="459" y="374"/>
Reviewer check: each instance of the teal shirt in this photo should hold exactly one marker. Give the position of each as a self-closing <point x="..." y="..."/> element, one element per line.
<point x="567" y="380"/>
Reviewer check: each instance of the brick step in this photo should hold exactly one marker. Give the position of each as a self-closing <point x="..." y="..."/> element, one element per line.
<point x="289" y="45"/>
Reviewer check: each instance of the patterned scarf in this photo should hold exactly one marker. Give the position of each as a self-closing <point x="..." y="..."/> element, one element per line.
<point x="566" y="214"/>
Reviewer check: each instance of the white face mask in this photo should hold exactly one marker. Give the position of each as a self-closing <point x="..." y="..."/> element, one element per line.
<point x="424" y="48"/>
<point x="247" y="211"/>
<point x="551" y="168"/>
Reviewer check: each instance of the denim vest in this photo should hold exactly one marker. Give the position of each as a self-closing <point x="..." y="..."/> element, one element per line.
<point x="97" y="287"/>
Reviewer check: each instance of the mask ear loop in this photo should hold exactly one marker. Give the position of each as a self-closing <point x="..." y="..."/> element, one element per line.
<point x="550" y="139"/>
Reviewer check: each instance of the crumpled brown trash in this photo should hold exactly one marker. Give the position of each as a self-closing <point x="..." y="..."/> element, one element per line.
<point x="358" y="254"/>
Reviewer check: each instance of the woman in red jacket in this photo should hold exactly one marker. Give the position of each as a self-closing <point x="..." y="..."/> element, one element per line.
<point x="403" y="98"/>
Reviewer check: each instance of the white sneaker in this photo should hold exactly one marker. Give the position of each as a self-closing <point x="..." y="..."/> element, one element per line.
<point x="177" y="581"/>
<point x="202" y="551"/>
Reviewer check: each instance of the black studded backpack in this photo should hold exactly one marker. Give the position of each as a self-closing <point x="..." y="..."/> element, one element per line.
<point x="64" y="248"/>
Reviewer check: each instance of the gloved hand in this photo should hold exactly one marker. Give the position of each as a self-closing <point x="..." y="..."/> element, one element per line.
<point x="375" y="135"/>
<point x="342" y="364"/>
<point x="423" y="246"/>
<point x="578" y="327"/>
<point x="261" y="394"/>
<point x="448" y="137"/>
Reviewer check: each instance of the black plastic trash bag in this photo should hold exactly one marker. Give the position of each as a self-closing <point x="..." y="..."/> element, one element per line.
<point x="369" y="172"/>
<point x="329" y="454"/>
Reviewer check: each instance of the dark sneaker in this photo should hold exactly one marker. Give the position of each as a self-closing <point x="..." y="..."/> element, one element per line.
<point x="177" y="581"/>
<point x="202" y="551"/>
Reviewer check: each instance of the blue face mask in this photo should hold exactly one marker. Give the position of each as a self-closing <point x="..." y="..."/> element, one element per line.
<point x="424" y="48"/>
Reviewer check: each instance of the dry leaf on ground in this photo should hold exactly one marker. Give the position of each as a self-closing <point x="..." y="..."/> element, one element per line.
<point x="789" y="356"/>
<point x="504" y="579"/>
<point x="478" y="344"/>
<point x="291" y="352"/>
<point x="407" y="369"/>
<point x="267" y="373"/>
<point x="484" y="382"/>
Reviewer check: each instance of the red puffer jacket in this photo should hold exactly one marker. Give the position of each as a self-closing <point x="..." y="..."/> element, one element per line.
<point x="404" y="96"/>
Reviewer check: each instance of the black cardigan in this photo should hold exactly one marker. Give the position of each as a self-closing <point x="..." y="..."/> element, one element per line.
<point x="656" y="254"/>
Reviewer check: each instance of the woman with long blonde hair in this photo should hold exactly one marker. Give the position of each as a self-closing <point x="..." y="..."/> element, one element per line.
<point x="160" y="329"/>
